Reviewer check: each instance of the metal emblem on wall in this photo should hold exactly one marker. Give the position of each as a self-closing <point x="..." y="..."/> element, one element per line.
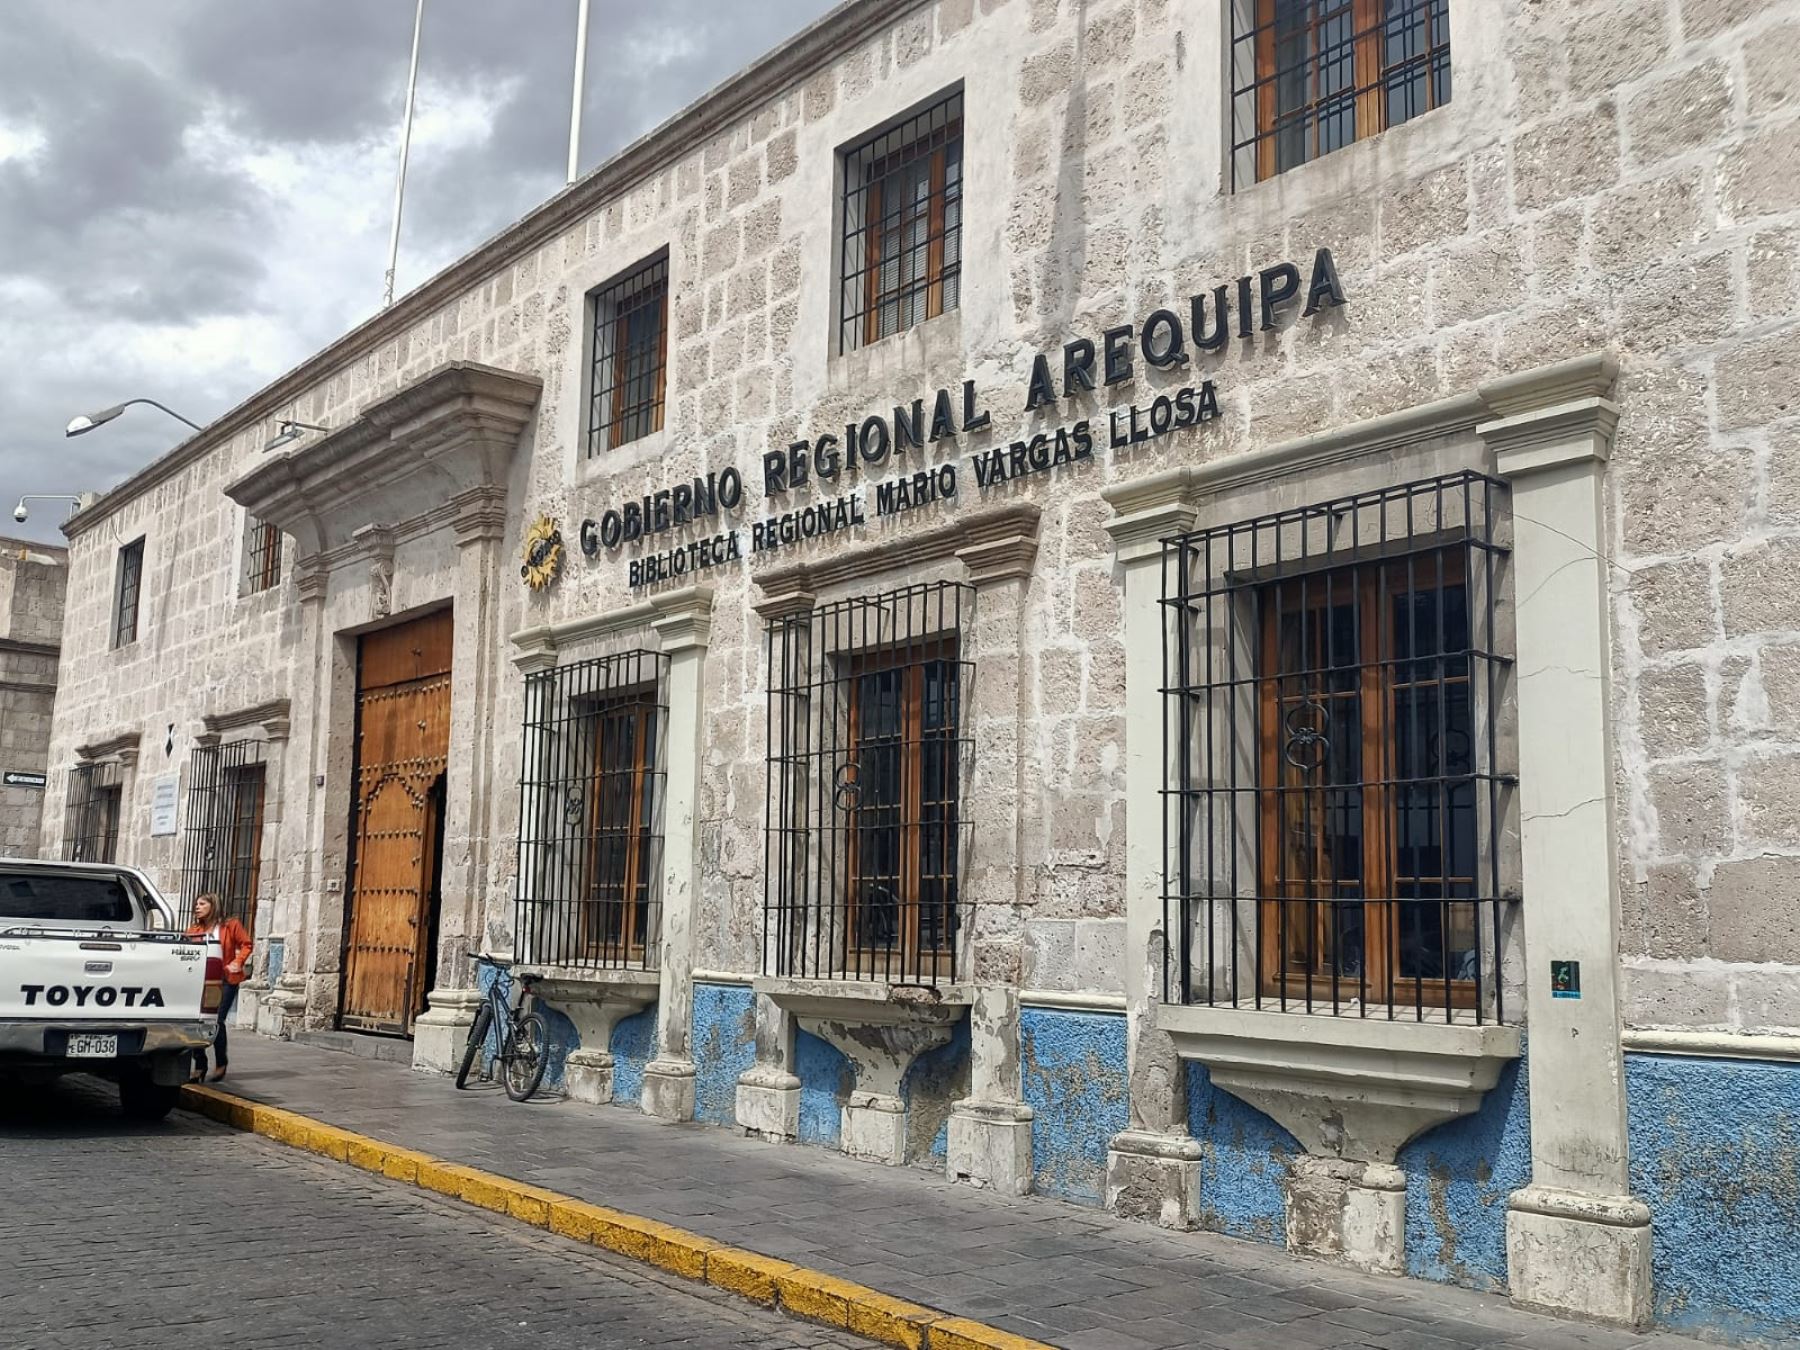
<point x="543" y="553"/>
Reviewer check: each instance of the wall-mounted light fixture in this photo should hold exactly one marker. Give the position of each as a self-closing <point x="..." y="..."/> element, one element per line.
<point x="287" y="432"/>
<point x="88" y="421"/>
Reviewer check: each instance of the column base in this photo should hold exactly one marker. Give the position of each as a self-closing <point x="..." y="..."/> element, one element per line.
<point x="1571" y="1252"/>
<point x="588" y="1076"/>
<point x="282" y="1010"/>
<point x="990" y="1145"/>
<point x="1154" y="1178"/>
<point x="442" y="1031"/>
<point x="1347" y="1211"/>
<point x="768" y="1105"/>
<point x="874" y="1128"/>
<point x="669" y="1089"/>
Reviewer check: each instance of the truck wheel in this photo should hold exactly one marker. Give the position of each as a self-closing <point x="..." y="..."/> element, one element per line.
<point x="142" y="1098"/>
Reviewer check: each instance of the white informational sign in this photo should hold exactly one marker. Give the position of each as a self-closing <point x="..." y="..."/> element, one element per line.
<point x="165" y="792"/>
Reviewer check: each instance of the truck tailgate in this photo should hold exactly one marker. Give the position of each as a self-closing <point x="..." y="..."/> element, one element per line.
<point x="70" y="976"/>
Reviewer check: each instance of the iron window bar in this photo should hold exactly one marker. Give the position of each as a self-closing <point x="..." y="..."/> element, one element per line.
<point x="1312" y="76"/>
<point x="590" y="815"/>
<point x="125" y="604"/>
<point x="630" y="346"/>
<point x="262" y="563"/>
<point x="902" y="226"/>
<point x="868" y="753"/>
<point x="91" y="820"/>
<point x="1337" y="704"/>
<point x="222" y="844"/>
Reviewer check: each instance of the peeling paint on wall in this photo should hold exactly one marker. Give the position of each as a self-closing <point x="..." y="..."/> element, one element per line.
<point x="825" y="1085"/>
<point x="936" y="1079"/>
<point x="1075" y="1080"/>
<point x="724" y="1040"/>
<point x="563" y="1038"/>
<point x="1458" y="1177"/>
<point x="633" y="1046"/>
<point x="1244" y="1159"/>
<point x="1715" y="1153"/>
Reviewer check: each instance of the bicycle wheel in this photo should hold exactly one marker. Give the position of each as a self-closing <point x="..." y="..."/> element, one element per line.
<point x="527" y="1048"/>
<point x="478" y="1030"/>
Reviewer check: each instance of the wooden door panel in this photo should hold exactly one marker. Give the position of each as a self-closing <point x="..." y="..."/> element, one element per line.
<point x="402" y="748"/>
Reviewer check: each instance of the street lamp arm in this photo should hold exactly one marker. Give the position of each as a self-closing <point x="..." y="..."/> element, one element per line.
<point x="154" y="404"/>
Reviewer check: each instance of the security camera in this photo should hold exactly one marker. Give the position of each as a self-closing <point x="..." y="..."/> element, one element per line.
<point x="20" y="514"/>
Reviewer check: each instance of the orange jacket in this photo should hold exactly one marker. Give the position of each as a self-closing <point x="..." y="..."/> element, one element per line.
<point x="234" y="945"/>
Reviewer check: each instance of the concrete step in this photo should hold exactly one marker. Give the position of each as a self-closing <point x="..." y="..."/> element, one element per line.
<point x="388" y="1049"/>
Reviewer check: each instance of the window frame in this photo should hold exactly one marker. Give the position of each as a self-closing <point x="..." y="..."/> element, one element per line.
<point x="637" y="884"/>
<point x="128" y="589"/>
<point x="226" y="816"/>
<point x="933" y="134"/>
<point x="614" y="422"/>
<point x="1364" y="97"/>
<point x="93" y="811"/>
<point x="263" y="542"/>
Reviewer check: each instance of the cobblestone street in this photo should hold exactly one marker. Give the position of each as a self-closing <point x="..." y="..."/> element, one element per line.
<point x="191" y="1234"/>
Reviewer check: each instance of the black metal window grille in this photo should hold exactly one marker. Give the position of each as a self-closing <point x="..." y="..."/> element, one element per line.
<point x="1311" y="76"/>
<point x="91" y="829"/>
<point x="125" y="602"/>
<point x="866" y="762"/>
<point x="902" y="261"/>
<point x="630" y="347"/>
<point x="590" y="820"/>
<point x="1337" y="684"/>
<point x="222" y="843"/>
<point x="262" y="560"/>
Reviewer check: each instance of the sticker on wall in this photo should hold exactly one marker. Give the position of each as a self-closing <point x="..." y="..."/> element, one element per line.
<point x="1565" y="979"/>
<point x="543" y="553"/>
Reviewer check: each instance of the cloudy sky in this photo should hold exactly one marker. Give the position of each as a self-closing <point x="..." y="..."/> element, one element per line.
<point x="195" y="195"/>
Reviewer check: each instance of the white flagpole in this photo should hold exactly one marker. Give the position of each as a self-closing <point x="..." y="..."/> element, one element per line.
<point x="581" y="27"/>
<point x="412" y="88"/>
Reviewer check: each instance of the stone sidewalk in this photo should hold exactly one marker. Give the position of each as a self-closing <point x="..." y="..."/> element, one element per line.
<point x="1036" y="1267"/>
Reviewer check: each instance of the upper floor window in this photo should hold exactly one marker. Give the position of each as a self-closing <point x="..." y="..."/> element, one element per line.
<point x="902" y="254"/>
<point x="262" y="556"/>
<point x="91" y="830"/>
<point x="1311" y="76"/>
<point x="630" y="353"/>
<point x="590" y="827"/>
<point x="125" y="597"/>
<point x="1338" y="804"/>
<point x="868" y="738"/>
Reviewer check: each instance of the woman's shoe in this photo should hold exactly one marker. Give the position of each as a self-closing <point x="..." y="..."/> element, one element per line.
<point x="218" y="1073"/>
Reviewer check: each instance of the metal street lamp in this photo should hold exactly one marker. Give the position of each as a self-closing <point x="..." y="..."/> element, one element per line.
<point x="287" y="432"/>
<point x="88" y="421"/>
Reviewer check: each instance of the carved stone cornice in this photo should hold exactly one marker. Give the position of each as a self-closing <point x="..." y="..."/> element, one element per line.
<point x="271" y="717"/>
<point x="480" y="515"/>
<point x="993" y="545"/>
<point x="452" y="434"/>
<point x="1560" y="414"/>
<point x="121" y="746"/>
<point x="683" y="619"/>
<point x="539" y="646"/>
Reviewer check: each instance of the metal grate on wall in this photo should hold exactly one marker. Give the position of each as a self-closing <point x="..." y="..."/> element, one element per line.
<point x="1311" y="76"/>
<point x="868" y="753"/>
<point x="902" y="232"/>
<point x="91" y="819"/>
<point x="1337" y="726"/>
<point x="221" y="852"/>
<point x="628" y="382"/>
<point x="590" y="813"/>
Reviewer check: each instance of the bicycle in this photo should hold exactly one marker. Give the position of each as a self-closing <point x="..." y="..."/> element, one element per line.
<point x="524" y="1038"/>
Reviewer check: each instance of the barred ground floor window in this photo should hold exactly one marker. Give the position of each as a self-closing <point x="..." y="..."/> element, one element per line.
<point x="91" y="822"/>
<point x="1337" y="709"/>
<point x="222" y="851"/>
<point x="590" y="827"/>
<point x="867" y="743"/>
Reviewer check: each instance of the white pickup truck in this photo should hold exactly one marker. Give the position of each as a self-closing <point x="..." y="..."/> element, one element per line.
<point x="94" y="978"/>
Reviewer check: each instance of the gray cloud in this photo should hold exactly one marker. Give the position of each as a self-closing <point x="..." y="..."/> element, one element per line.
<point x="147" y="249"/>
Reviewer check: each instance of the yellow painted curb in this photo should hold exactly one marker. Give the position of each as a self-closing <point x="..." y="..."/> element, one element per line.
<point x="809" y="1294"/>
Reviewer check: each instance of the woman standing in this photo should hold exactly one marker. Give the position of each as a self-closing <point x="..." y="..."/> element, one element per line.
<point x="227" y="940"/>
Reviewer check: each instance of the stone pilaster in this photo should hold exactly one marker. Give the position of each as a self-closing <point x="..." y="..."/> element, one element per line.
<point x="1577" y="1241"/>
<point x="684" y="626"/>
<point x="1153" y="1167"/>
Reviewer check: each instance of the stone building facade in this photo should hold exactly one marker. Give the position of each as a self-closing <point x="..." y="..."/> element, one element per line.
<point x="1149" y="600"/>
<point x="32" y="580"/>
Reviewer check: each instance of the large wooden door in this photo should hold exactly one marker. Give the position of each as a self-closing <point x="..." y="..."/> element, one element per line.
<point x="402" y="744"/>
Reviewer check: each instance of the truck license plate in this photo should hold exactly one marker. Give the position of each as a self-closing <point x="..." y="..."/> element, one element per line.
<point x="91" y="1046"/>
